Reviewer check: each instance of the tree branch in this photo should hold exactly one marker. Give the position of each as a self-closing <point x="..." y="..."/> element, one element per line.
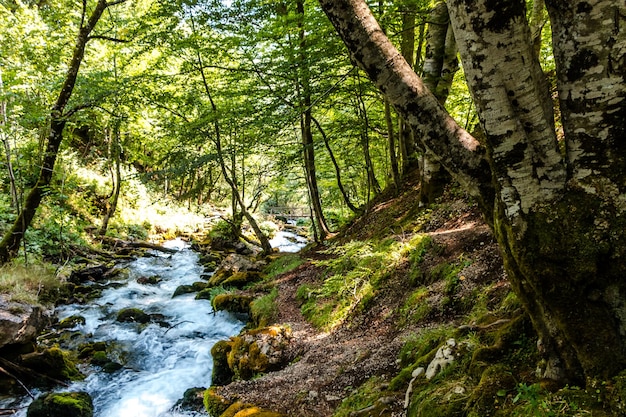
<point x="109" y="38"/>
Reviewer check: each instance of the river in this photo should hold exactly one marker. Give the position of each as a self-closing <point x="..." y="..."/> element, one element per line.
<point x="160" y="362"/>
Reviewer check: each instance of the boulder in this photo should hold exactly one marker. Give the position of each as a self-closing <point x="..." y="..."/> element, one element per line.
<point x="193" y="401"/>
<point x="20" y="323"/>
<point x="131" y="315"/>
<point x="52" y="362"/>
<point x="252" y="353"/>
<point x="64" y="404"/>
<point x="234" y="303"/>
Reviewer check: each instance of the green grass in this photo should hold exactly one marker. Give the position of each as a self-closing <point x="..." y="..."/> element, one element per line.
<point x="28" y="283"/>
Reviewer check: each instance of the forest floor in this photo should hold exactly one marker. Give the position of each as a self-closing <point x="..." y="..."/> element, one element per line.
<point x="331" y="365"/>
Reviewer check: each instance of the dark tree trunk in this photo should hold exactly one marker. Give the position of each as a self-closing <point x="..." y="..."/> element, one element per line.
<point x="115" y="154"/>
<point x="306" y="118"/>
<point x="346" y="198"/>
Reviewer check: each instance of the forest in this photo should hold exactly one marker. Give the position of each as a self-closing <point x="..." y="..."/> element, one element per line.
<point x="130" y="121"/>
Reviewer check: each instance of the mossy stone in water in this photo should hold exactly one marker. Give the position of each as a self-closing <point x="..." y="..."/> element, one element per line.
<point x="64" y="404"/>
<point x="222" y="374"/>
<point x="72" y="321"/>
<point x="127" y="315"/>
<point x="52" y="362"/>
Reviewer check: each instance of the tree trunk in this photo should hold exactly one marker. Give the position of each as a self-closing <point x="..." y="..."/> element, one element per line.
<point x="440" y="65"/>
<point x="408" y="146"/>
<point x="372" y="182"/>
<point x="11" y="241"/>
<point x="237" y="199"/>
<point x="114" y="153"/>
<point x="7" y="149"/>
<point x="559" y="221"/>
<point x="306" y="117"/>
<point x="391" y="144"/>
<point x="346" y="198"/>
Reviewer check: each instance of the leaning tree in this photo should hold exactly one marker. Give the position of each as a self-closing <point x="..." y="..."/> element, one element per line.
<point x="557" y="207"/>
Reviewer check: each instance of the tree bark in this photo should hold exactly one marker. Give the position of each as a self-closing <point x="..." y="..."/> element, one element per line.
<point x="559" y="219"/>
<point x="455" y="148"/>
<point x="440" y="65"/>
<point x="114" y="153"/>
<point x="306" y="117"/>
<point x="342" y="189"/>
<point x="12" y="239"/>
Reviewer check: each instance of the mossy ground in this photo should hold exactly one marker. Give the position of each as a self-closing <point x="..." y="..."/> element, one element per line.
<point x="376" y="303"/>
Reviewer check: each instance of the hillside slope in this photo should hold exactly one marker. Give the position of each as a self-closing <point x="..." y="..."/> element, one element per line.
<point x="442" y="271"/>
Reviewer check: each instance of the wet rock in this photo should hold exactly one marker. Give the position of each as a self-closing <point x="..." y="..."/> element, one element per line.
<point x="92" y="273"/>
<point x="20" y="323"/>
<point x="75" y="404"/>
<point x="51" y="362"/>
<point x="234" y="303"/>
<point x="71" y="322"/>
<point x="183" y="289"/>
<point x="149" y="280"/>
<point x="193" y="400"/>
<point x="132" y="315"/>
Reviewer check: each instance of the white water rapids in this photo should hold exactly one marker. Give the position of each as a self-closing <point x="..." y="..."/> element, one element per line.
<point x="160" y="363"/>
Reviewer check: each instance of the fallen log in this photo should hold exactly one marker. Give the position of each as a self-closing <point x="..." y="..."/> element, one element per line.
<point x="119" y="243"/>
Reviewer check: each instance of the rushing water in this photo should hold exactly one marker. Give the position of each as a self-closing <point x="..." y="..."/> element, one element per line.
<point x="160" y="362"/>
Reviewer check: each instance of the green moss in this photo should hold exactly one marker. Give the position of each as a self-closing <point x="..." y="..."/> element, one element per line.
<point x="367" y="395"/>
<point x="214" y="403"/>
<point x="416" y="307"/>
<point x="75" y="404"/>
<point x="242" y="279"/>
<point x="495" y="384"/>
<point x="447" y="399"/>
<point x="263" y="310"/>
<point x="282" y="264"/>
<point x="52" y="362"/>
<point x="132" y="315"/>
<point x="72" y="321"/>
<point x="222" y="373"/>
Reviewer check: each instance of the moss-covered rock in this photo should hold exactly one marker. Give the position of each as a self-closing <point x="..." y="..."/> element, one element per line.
<point x="437" y="400"/>
<point x="235" y="303"/>
<point x="72" y="321"/>
<point x="74" y="404"/>
<point x="193" y="400"/>
<point x="52" y="362"/>
<point x="259" y="351"/>
<point x="183" y="289"/>
<point x="495" y="384"/>
<point x="214" y="403"/>
<point x="153" y="280"/>
<point x="132" y="315"/>
<point x="242" y="278"/>
<point x="239" y="409"/>
<point x="222" y="374"/>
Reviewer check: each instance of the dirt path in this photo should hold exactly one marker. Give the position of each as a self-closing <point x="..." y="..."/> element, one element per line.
<point x="330" y="365"/>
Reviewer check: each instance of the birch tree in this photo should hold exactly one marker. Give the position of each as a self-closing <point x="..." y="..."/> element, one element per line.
<point x="558" y="216"/>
